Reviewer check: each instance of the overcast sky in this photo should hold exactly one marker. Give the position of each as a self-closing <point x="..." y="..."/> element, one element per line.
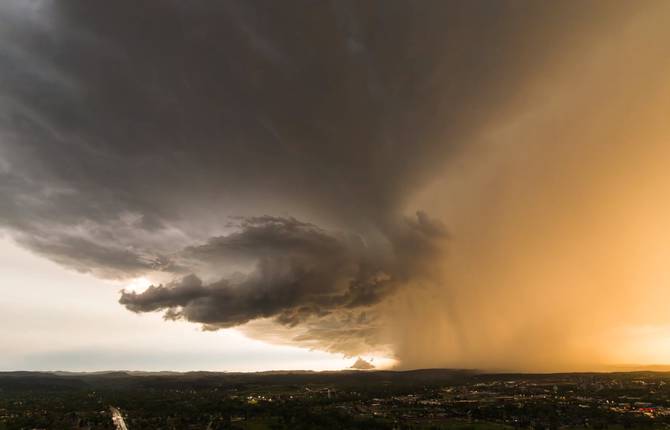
<point x="248" y="185"/>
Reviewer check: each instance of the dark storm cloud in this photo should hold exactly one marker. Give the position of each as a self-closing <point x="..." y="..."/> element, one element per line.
<point x="299" y="271"/>
<point x="130" y="133"/>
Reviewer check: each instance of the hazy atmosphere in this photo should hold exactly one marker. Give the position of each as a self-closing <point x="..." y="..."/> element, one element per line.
<point x="235" y="185"/>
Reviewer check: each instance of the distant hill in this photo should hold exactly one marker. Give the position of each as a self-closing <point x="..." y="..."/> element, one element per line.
<point x="350" y="378"/>
<point x="128" y="379"/>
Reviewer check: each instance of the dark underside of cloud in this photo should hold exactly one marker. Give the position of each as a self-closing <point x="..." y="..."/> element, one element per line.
<point x="294" y="273"/>
<point x="298" y="271"/>
<point x="258" y="157"/>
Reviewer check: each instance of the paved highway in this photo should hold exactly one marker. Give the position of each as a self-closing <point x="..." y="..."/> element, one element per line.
<point x="118" y="419"/>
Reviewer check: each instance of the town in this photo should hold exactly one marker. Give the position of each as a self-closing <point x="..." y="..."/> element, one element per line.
<point x="422" y="399"/>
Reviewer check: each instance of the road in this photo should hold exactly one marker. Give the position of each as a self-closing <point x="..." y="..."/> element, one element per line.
<point x="118" y="419"/>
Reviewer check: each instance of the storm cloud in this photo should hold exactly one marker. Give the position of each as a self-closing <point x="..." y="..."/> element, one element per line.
<point x="298" y="271"/>
<point x="278" y="165"/>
